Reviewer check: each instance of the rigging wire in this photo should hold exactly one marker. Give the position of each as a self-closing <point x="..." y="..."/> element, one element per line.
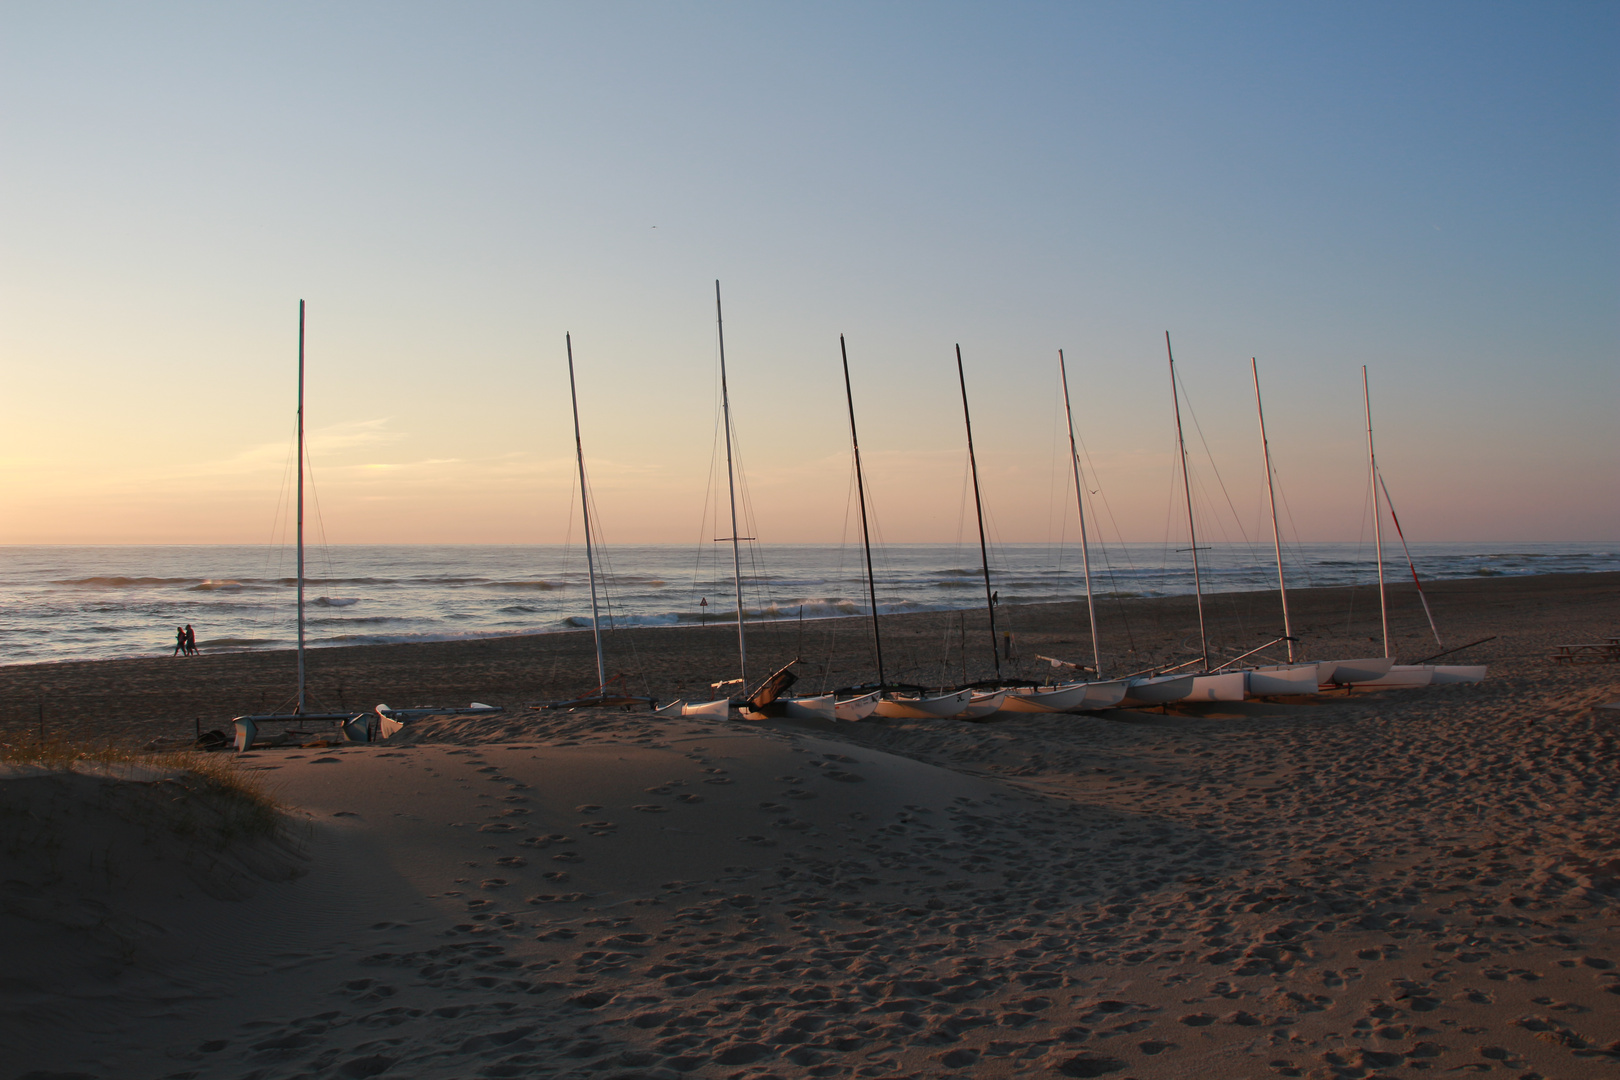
<point x="282" y="517"/>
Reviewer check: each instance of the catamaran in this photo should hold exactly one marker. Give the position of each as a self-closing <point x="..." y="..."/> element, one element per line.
<point x="1075" y="696"/>
<point x="353" y="725"/>
<point x="964" y="704"/>
<point x="1165" y="687"/>
<point x="1277" y="680"/>
<point x="361" y="726"/>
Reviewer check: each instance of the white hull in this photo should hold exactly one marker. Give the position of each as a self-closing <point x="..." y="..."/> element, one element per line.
<point x="982" y="705"/>
<point x="1158" y="690"/>
<point x="1280" y="681"/>
<point x="1104" y="695"/>
<point x="924" y="708"/>
<point x="708" y="710"/>
<point x="1342" y="672"/>
<point x="1222" y="686"/>
<point x="856" y="708"/>
<point x="1458" y="673"/>
<point x="808" y="708"/>
<point x="1046" y="699"/>
<point x="1400" y="677"/>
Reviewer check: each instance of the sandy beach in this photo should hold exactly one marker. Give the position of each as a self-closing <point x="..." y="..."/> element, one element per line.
<point x="1389" y="884"/>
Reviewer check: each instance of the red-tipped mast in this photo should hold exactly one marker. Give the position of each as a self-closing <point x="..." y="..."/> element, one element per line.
<point x="1378" y="522"/>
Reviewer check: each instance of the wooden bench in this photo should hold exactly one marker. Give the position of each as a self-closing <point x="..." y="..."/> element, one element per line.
<point x="1590" y="652"/>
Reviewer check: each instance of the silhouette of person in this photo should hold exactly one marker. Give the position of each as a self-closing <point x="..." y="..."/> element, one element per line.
<point x="191" y="641"/>
<point x="179" y="641"/>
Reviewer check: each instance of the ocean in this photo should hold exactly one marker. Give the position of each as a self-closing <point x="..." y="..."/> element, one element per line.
<point x="87" y="603"/>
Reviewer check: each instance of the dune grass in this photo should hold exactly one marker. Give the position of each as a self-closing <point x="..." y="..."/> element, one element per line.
<point x="241" y="799"/>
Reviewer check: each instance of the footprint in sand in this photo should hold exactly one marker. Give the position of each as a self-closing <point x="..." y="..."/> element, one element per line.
<point x="1086" y="1065"/>
<point x="651" y="808"/>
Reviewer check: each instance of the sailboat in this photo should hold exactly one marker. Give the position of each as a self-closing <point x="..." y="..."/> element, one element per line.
<point x="1076" y="696"/>
<point x="1400" y="676"/>
<point x="965" y="704"/>
<point x="1348" y="673"/>
<point x="600" y="696"/>
<point x="1165" y="688"/>
<point x="361" y="726"/>
<point x="769" y="692"/>
<point x="1277" y="680"/>
<point x="354" y="726"/>
<point x="859" y="706"/>
<point x="720" y="708"/>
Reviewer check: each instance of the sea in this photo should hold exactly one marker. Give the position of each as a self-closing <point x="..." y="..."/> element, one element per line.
<point x="87" y="603"/>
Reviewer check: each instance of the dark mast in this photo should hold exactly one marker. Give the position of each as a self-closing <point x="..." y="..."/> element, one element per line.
<point x="866" y="536"/>
<point x="978" y="506"/>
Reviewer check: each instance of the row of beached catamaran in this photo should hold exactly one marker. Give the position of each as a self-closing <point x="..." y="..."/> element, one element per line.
<point x="1197" y="680"/>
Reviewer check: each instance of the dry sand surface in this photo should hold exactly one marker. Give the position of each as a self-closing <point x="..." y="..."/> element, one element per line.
<point x="1382" y="885"/>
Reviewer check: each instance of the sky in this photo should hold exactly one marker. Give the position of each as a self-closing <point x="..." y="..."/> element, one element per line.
<point x="1427" y="190"/>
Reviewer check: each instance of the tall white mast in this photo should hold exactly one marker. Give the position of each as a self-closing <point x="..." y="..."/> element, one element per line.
<point x="1080" y="504"/>
<point x="585" y="510"/>
<point x="1271" y="498"/>
<point x="731" y="483"/>
<point x="300" y="506"/>
<point x="1186" y="485"/>
<point x="1378" y="524"/>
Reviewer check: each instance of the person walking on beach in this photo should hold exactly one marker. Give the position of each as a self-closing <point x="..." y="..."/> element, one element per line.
<point x="179" y="641"/>
<point x="191" y="641"/>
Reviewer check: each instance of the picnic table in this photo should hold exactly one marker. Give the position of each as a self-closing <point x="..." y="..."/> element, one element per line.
<point x="1588" y="652"/>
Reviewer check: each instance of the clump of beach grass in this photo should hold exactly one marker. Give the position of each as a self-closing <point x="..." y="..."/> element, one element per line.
<point x="241" y="802"/>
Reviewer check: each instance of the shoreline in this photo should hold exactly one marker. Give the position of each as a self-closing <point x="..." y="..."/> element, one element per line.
<point x="147" y="697"/>
<point x="74" y="605"/>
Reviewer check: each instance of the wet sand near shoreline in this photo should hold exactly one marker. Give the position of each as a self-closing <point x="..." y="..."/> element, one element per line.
<point x="133" y="701"/>
<point x="1392" y="884"/>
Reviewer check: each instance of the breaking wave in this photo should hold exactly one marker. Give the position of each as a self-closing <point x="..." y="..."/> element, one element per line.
<point x="112" y="582"/>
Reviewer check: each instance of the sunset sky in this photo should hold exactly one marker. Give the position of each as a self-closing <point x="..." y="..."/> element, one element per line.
<point x="1429" y="190"/>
